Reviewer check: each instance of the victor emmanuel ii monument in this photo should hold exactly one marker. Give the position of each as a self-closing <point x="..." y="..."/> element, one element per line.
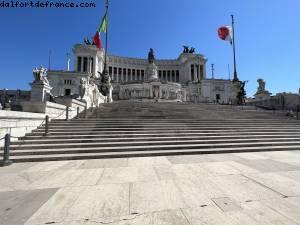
<point x="182" y="79"/>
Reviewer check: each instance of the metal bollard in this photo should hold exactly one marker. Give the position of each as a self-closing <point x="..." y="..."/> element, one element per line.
<point x="67" y="113"/>
<point x="85" y="112"/>
<point x="6" y="161"/>
<point x="46" y="125"/>
<point x="77" y="117"/>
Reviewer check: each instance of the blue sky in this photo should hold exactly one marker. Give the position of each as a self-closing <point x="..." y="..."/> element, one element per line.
<point x="267" y="36"/>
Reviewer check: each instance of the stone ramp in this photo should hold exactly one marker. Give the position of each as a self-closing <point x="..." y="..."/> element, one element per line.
<point x="113" y="131"/>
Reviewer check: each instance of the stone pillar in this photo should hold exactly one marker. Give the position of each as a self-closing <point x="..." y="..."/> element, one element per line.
<point x="195" y="73"/>
<point x="82" y="59"/>
<point x="190" y="72"/>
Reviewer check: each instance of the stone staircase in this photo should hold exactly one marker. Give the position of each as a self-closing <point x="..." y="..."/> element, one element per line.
<point x="131" y="129"/>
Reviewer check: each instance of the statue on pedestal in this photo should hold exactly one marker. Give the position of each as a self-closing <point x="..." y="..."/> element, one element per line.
<point x="242" y="93"/>
<point x="261" y="85"/>
<point x="152" y="69"/>
<point x="40" y="75"/>
<point x="151" y="57"/>
<point x="40" y="87"/>
<point x="261" y="93"/>
<point x="188" y="50"/>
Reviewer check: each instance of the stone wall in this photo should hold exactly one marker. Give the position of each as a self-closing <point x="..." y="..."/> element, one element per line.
<point x="282" y="101"/>
<point x="20" y="123"/>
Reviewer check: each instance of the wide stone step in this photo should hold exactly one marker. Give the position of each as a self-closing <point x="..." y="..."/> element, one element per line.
<point x="165" y="121"/>
<point x="176" y="126"/>
<point x="35" y="149"/>
<point x="103" y="155"/>
<point x="162" y="130"/>
<point x="35" y="136"/>
<point x="170" y="137"/>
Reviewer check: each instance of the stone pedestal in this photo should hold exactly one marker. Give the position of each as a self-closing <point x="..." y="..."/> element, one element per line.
<point x="152" y="74"/>
<point x="235" y="88"/>
<point x="109" y="95"/>
<point x="263" y="95"/>
<point x="40" y="91"/>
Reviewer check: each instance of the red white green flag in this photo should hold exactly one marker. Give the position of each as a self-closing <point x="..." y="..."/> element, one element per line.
<point x="97" y="40"/>
<point x="102" y="28"/>
<point x="225" y="33"/>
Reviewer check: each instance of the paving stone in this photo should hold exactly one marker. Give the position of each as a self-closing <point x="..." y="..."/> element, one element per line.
<point x="226" y="168"/>
<point x="16" y="207"/>
<point x="208" y="215"/>
<point x="65" y="178"/>
<point x="21" y="181"/>
<point x="294" y="161"/>
<point x="294" y="175"/>
<point x="104" y="163"/>
<point x="187" y="159"/>
<point x="155" y="196"/>
<point x="170" y="217"/>
<point x="251" y="156"/>
<point x="80" y="203"/>
<point x="264" y="214"/>
<point x="281" y="184"/>
<point x="72" y="165"/>
<point x="241" y="189"/>
<point x="46" y="166"/>
<point x="149" y="162"/>
<point x="119" y="175"/>
<point x="269" y="165"/>
<point x="226" y="204"/>
<point x="15" y="168"/>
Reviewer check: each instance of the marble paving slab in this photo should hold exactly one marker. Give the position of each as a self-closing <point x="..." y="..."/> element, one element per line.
<point x="268" y="165"/>
<point x="241" y="189"/>
<point x="80" y="203"/>
<point x="16" y="207"/>
<point x="104" y="163"/>
<point x="281" y="184"/>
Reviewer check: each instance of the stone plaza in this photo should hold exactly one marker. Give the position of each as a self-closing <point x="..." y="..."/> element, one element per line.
<point x="233" y="189"/>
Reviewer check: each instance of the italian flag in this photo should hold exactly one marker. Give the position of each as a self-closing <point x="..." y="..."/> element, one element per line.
<point x="102" y="28"/>
<point x="225" y="33"/>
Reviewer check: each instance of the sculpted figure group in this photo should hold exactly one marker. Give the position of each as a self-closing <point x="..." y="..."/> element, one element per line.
<point x="187" y="49"/>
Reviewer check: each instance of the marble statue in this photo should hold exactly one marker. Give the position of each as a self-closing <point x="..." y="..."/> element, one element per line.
<point x="152" y="69"/>
<point x="261" y="85"/>
<point x="82" y="88"/>
<point x="192" y="50"/>
<point x="40" y="75"/>
<point x="185" y="49"/>
<point x="87" y="41"/>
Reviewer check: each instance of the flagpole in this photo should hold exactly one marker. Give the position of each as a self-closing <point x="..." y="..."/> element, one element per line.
<point x="106" y="38"/>
<point x="234" y="57"/>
